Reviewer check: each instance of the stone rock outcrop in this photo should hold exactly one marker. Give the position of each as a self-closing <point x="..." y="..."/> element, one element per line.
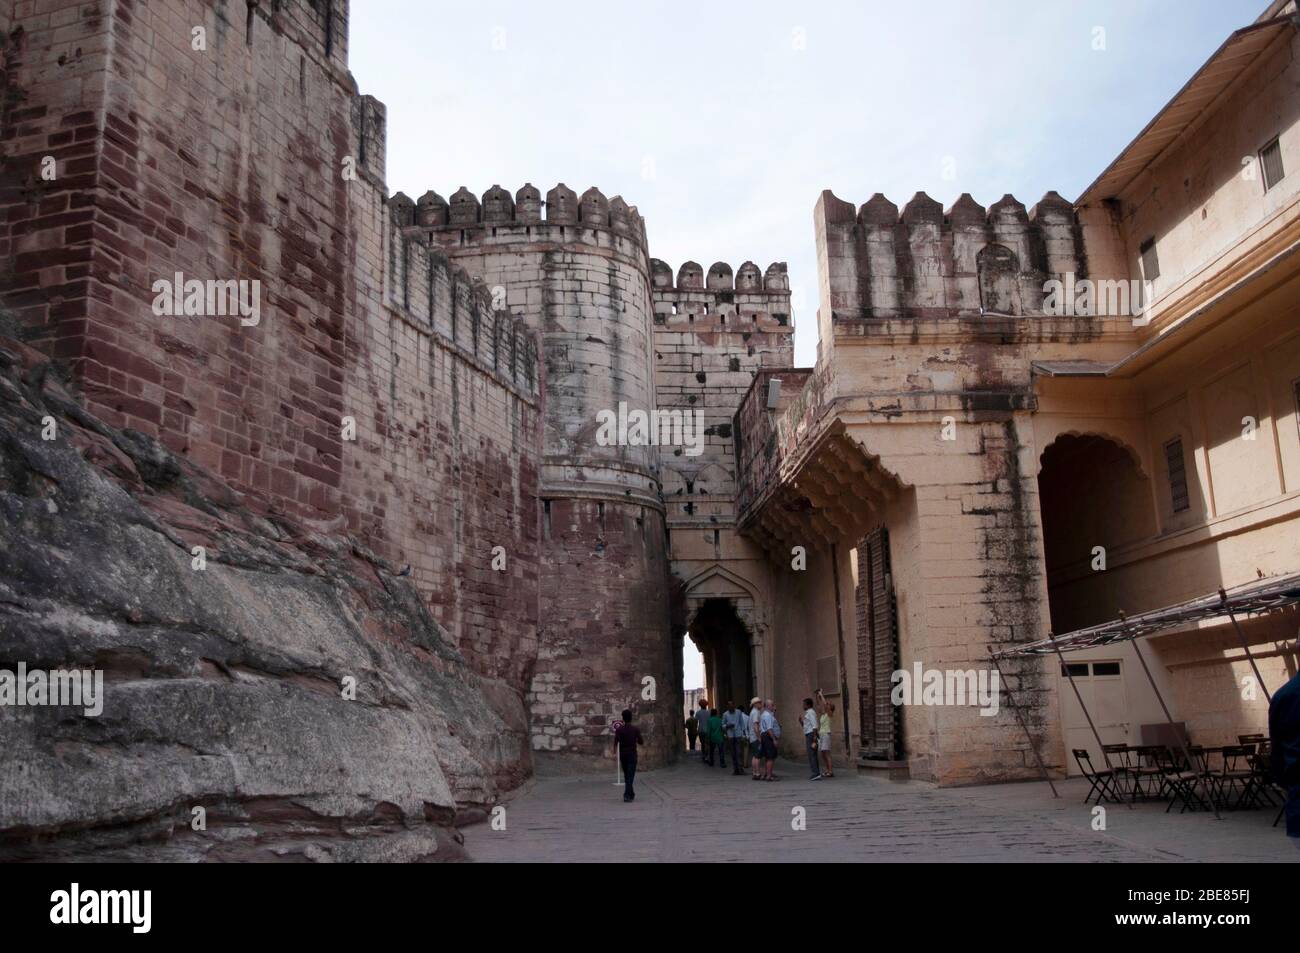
<point x="223" y="686"/>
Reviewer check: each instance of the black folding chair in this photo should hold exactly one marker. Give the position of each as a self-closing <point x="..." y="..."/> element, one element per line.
<point x="1121" y="767"/>
<point x="1183" y="777"/>
<point x="1262" y="762"/>
<point x="1103" y="782"/>
<point x="1145" y="771"/>
<point x="1239" y="772"/>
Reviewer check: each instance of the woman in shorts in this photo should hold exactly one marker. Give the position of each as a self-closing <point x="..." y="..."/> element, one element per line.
<point x="824" y="734"/>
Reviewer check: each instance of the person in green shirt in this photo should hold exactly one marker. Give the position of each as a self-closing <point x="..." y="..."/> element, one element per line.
<point x="715" y="736"/>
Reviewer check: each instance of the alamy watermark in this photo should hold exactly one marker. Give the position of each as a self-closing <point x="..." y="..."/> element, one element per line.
<point x="76" y="688"/>
<point x="1086" y="298"/>
<point x="947" y="687"/>
<point x="655" y="428"/>
<point x="133" y="908"/>
<point x="211" y="298"/>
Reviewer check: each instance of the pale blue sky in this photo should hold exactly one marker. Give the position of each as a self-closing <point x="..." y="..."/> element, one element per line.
<point x="712" y="120"/>
<point x="692" y="666"/>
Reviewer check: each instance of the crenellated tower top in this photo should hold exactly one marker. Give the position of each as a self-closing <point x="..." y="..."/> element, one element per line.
<point x="563" y="217"/>
<point x="721" y="296"/>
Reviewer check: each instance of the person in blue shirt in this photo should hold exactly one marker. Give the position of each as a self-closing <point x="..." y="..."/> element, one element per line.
<point x="769" y="733"/>
<point x="1284" y="735"/>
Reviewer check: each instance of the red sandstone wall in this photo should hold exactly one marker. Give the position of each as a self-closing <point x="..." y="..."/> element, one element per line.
<point x="580" y="277"/>
<point x="605" y="629"/>
<point x="226" y="163"/>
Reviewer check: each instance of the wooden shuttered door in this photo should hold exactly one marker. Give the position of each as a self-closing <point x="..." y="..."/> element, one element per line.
<point x="877" y="625"/>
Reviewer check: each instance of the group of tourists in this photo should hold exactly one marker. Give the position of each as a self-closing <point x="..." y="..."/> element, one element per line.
<point x="753" y="736"/>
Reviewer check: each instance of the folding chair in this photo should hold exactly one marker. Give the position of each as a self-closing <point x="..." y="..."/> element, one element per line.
<point x="1263" y="765"/>
<point x="1261" y="777"/>
<point x="1103" y="782"/>
<point x="1145" y="767"/>
<point x="1184" y="777"/>
<point x="1121" y="767"/>
<point x="1235" y="775"/>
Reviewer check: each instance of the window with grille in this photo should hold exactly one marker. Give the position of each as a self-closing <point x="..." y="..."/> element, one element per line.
<point x="1177" y="475"/>
<point x="1150" y="262"/>
<point x="1270" y="161"/>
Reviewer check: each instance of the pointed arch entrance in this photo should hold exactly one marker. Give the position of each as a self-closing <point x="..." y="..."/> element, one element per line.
<point x="726" y="624"/>
<point x="724" y="641"/>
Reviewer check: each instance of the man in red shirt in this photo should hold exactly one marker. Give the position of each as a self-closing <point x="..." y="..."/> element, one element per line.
<point x="627" y="737"/>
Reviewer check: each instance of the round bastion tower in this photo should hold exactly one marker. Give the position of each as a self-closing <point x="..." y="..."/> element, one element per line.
<point x="577" y="270"/>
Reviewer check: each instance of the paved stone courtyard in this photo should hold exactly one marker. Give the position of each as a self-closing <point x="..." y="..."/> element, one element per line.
<point x="693" y="813"/>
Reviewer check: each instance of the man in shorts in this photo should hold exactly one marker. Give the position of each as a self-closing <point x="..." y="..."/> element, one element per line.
<point x="755" y="754"/>
<point x="769" y="730"/>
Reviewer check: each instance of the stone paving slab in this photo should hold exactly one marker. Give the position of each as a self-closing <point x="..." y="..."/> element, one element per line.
<point x="694" y="813"/>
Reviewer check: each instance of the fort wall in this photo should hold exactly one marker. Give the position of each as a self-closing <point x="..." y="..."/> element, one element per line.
<point x="575" y="269"/>
<point x="190" y="142"/>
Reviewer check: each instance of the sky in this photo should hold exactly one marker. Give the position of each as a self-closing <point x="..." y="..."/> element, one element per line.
<point x="692" y="666"/>
<point x="723" y="122"/>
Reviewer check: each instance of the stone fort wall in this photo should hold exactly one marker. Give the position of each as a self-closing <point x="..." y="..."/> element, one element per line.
<point x="575" y="268"/>
<point x="711" y="336"/>
<point x="425" y="375"/>
<point x="251" y="156"/>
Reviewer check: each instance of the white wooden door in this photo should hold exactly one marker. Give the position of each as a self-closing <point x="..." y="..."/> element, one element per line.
<point x="1103" y="685"/>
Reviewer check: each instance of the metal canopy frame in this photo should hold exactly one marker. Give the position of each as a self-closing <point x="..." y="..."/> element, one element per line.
<point x="1256" y="598"/>
<point x="1265" y="595"/>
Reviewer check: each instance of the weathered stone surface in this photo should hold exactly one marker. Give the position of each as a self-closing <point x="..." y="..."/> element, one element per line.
<point x="223" y="686"/>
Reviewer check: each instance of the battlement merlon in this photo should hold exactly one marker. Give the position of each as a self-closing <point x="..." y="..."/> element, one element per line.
<point x="434" y="293"/>
<point x="562" y="217"/>
<point x="878" y="262"/>
<point x="746" y="295"/>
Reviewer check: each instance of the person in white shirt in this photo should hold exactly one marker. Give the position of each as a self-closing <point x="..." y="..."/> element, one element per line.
<point x="755" y="755"/>
<point x="810" y="739"/>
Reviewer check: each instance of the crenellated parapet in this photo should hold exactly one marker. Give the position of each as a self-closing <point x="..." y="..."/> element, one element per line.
<point x="562" y="217"/>
<point x="878" y="261"/>
<point x="438" y="295"/>
<point x="720" y="296"/>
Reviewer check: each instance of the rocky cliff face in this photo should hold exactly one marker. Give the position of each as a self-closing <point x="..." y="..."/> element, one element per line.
<point x="224" y="686"/>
